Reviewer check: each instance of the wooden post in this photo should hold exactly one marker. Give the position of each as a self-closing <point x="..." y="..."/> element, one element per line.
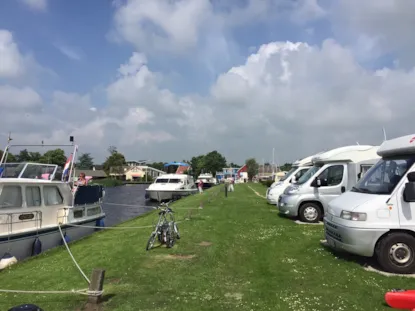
<point x="97" y="284"/>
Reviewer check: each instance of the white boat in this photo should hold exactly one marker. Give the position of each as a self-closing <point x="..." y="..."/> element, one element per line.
<point x="207" y="179"/>
<point x="171" y="186"/>
<point x="35" y="200"/>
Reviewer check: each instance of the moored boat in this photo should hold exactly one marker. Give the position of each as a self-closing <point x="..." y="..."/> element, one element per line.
<point x="37" y="201"/>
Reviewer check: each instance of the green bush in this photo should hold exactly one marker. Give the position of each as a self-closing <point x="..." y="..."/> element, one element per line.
<point x="267" y="183"/>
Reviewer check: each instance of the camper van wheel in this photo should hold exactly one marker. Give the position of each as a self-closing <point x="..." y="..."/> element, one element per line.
<point x="396" y="253"/>
<point x="309" y="212"/>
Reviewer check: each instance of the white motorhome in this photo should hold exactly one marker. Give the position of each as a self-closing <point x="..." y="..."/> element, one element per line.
<point x="298" y="169"/>
<point x="377" y="217"/>
<point x="333" y="173"/>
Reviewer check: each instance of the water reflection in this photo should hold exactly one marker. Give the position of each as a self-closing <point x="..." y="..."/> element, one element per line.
<point x="125" y="202"/>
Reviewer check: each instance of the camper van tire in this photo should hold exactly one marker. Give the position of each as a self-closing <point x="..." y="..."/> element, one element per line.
<point x="310" y="212"/>
<point x="396" y="253"/>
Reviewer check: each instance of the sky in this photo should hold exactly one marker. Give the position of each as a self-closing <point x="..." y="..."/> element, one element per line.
<point x="165" y="80"/>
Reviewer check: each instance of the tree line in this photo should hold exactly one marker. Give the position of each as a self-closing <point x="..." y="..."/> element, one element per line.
<point x="206" y="163"/>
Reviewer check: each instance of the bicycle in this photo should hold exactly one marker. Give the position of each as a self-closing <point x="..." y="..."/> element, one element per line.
<point x="166" y="229"/>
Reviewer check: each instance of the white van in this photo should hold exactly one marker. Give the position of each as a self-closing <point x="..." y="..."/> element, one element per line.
<point x="333" y="173"/>
<point x="377" y="217"/>
<point x="298" y="169"/>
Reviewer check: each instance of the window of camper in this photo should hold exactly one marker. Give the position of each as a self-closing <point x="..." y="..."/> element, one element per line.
<point x="33" y="196"/>
<point x="332" y="176"/>
<point x="11" y="196"/>
<point x="300" y="173"/>
<point x="363" y="169"/>
<point x="52" y="196"/>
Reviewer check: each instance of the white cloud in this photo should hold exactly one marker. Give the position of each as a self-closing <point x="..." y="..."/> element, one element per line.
<point x="70" y="52"/>
<point x="11" y="61"/>
<point x="36" y="5"/>
<point x="387" y="24"/>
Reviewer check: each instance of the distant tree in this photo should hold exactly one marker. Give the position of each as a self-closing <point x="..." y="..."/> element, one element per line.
<point x="157" y="165"/>
<point x="234" y="165"/>
<point x="252" y="167"/>
<point x="34" y="156"/>
<point x="197" y="163"/>
<point x="10" y="157"/>
<point x="26" y="156"/>
<point x="115" y="160"/>
<point x="56" y="156"/>
<point x="214" y="161"/>
<point x="285" y="167"/>
<point x="85" y="161"/>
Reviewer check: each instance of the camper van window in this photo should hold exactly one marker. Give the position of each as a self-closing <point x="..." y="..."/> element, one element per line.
<point x="309" y="174"/>
<point x="33" y="196"/>
<point x="300" y="173"/>
<point x="384" y="176"/>
<point x="174" y="180"/>
<point x="332" y="176"/>
<point x="161" y="180"/>
<point x="288" y="174"/>
<point x="11" y="196"/>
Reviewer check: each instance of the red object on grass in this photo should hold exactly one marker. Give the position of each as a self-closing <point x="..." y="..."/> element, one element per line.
<point x="401" y="299"/>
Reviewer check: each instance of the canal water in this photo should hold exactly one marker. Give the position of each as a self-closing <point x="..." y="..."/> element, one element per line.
<point x="125" y="202"/>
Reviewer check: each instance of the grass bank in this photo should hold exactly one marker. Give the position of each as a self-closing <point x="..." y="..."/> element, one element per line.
<point x="235" y="254"/>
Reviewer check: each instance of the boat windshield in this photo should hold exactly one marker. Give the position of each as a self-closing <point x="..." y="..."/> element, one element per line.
<point x="174" y="180"/>
<point x="310" y="173"/>
<point x="11" y="170"/>
<point x="383" y="177"/>
<point x="162" y="180"/>
<point x="289" y="173"/>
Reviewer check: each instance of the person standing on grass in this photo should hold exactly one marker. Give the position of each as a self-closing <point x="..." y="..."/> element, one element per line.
<point x="200" y="186"/>
<point x="232" y="182"/>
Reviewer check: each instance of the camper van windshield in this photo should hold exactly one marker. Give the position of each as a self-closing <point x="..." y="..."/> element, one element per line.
<point x="303" y="179"/>
<point x="289" y="173"/>
<point x="384" y="176"/>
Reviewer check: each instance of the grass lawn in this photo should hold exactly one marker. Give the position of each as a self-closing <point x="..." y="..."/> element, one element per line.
<point x="235" y="254"/>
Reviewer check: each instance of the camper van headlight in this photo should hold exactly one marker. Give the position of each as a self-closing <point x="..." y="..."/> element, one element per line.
<point x="353" y="216"/>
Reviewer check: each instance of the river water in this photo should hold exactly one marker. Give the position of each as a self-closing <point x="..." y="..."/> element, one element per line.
<point x="125" y="202"/>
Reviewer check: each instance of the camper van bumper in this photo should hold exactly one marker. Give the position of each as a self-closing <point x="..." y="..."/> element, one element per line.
<point x="352" y="240"/>
<point x="288" y="205"/>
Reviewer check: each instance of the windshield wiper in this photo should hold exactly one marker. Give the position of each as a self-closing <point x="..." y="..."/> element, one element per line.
<point x="355" y="189"/>
<point x="365" y="190"/>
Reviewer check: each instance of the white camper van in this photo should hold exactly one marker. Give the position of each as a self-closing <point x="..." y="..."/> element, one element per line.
<point x="334" y="172"/>
<point x="298" y="169"/>
<point x="377" y="217"/>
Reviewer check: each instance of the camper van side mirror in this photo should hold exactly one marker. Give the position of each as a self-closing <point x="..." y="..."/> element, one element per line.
<point x="316" y="183"/>
<point x="411" y="177"/>
<point x="409" y="192"/>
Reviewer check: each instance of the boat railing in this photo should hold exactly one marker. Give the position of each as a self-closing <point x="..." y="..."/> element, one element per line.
<point x="15" y="222"/>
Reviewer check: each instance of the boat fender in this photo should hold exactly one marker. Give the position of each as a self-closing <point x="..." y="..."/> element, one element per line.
<point x="26" y="307"/>
<point x="99" y="223"/>
<point x="37" y="247"/>
<point x="7" y="260"/>
<point x="67" y="239"/>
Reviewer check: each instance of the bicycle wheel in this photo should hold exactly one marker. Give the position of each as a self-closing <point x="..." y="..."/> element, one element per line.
<point x="171" y="236"/>
<point x="151" y="241"/>
<point x="176" y="230"/>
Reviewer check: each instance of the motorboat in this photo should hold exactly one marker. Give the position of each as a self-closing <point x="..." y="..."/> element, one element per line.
<point x="207" y="179"/>
<point x="39" y="204"/>
<point x="171" y="187"/>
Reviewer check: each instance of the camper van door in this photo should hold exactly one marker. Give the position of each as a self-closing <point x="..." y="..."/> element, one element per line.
<point x="333" y="180"/>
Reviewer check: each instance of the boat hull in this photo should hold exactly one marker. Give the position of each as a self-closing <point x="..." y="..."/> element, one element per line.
<point x="21" y="245"/>
<point x="167" y="195"/>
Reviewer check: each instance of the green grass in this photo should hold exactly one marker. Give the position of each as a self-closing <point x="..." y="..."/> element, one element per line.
<point x="256" y="261"/>
<point x="107" y="182"/>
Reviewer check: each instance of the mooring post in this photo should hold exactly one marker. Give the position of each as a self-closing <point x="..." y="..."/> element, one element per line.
<point x="96" y="285"/>
<point x="226" y="190"/>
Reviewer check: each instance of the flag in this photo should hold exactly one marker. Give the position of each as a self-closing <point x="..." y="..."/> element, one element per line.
<point x="66" y="167"/>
